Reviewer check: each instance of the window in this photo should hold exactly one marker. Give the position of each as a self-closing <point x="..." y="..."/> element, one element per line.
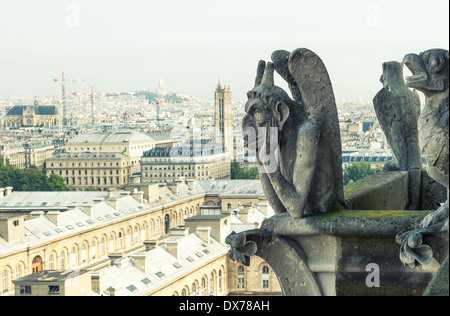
<point x="265" y="277"/>
<point x="53" y="289"/>
<point x="132" y="288"/>
<point x="16" y="223"/>
<point x="25" y="289"/>
<point x="241" y="278"/>
<point x="5" y="280"/>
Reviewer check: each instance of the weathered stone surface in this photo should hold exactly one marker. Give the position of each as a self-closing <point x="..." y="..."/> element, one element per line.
<point x="431" y="76"/>
<point x="440" y="283"/>
<point x="381" y="191"/>
<point x="306" y="177"/>
<point x="398" y="109"/>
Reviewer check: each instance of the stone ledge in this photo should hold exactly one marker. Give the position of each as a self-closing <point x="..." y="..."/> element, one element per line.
<point x="346" y="222"/>
<point x="381" y="191"/>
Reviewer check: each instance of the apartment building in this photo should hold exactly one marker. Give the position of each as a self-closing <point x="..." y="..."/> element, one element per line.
<point x="199" y="160"/>
<point x="152" y="239"/>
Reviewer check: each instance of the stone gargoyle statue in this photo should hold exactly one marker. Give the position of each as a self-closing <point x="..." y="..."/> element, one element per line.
<point x="300" y="134"/>
<point x="430" y="71"/>
<point x="398" y="109"/>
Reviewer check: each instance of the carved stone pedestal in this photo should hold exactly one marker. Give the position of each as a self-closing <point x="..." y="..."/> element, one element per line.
<point x="340" y="253"/>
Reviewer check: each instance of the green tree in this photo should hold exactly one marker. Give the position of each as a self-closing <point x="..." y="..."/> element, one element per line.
<point x="31" y="179"/>
<point x="239" y="173"/>
<point x="234" y="169"/>
<point x="56" y="183"/>
<point x="357" y="171"/>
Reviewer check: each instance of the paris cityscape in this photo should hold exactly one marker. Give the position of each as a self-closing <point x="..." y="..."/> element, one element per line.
<point x="128" y="182"/>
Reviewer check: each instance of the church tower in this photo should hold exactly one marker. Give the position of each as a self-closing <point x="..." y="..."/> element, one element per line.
<point x="223" y="120"/>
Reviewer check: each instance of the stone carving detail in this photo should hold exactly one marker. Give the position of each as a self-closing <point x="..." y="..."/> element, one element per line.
<point x="286" y="258"/>
<point x="398" y="109"/>
<point x="430" y="72"/>
<point x="305" y="144"/>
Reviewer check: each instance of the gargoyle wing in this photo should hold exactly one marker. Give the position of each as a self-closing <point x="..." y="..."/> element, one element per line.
<point x="385" y="104"/>
<point x="314" y="84"/>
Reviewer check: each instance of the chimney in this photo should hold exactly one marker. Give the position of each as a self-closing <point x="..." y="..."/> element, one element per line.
<point x="243" y="214"/>
<point x="96" y="281"/>
<point x="124" y="194"/>
<point x="182" y="231"/>
<point x="98" y="200"/>
<point x="204" y="232"/>
<point x="53" y="216"/>
<point x="2" y="192"/>
<point x="72" y="206"/>
<point x="139" y="196"/>
<point x="113" y="202"/>
<point x="121" y="263"/>
<point x="153" y="192"/>
<point x="110" y="193"/>
<point x="172" y="247"/>
<point x="150" y="244"/>
<point x="263" y="207"/>
<point x="140" y="261"/>
<point x="12" y="227"/>
<point x="87" y="208"/>
<point x="37" y="214"/>
<point x="175" y="186"/>
<point x="190" y="183"/>
<point x="8" y="190"/>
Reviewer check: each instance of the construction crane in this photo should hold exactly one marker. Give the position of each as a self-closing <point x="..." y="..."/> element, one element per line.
<point x="63" y="80"/>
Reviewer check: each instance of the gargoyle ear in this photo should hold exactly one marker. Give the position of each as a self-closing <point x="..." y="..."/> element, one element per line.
<point x="283" y="114"/>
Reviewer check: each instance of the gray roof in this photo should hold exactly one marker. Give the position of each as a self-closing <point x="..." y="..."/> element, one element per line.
<point x="110" y="137"/>
<point x="39" y="109"/>
<point x="232" y="187"/>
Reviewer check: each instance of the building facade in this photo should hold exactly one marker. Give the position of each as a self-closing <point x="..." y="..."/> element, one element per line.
<point x="91" y="170"/>
<point x="200" y="160"/>
<point x="153" y="239"/>
<point x="129" y="143"/>
<point x="31" y="115"/>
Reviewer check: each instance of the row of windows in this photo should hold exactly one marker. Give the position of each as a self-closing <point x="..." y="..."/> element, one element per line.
<point x="241" y="277"/>
<point x="98" y="247"/>
<point x="205" y="287"/>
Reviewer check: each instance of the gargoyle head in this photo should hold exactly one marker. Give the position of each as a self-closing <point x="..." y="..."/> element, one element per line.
<point x="429" y="69"/>
<point x="392" y="77"/>
<point x="268" y="106"/>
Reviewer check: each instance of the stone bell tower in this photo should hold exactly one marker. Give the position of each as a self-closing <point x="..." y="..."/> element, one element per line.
<point x="223" y="120"/>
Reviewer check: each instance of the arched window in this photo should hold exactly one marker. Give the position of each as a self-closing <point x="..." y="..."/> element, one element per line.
<point x="111" y="244"/>
<point x="5" y="280"/>
<point x="36" y="265"/>
<point x="102" y="246"/>
<point x="119" y="241"/>
<point x="166" y="224"/>
<point x="183" y="292"/>
<point x="211" y="284"/>
<point x="240" y="278"/>
<point x="83" y="254"/>
<point x="194" y="289"/>
<point x="219" y="281"/>
<point x="73" y="257"/>
<point x="203" y="287"/>
<point x="136" y="235"/>
<point x="50" y="263"/>
<point x="18" y="271"/>
<point x="93" y="249"/>
<point x="62" y="260"/>
<point x="265" y="277"/>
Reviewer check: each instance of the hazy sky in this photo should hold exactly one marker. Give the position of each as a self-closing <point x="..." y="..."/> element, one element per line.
<point x="120" y="45"/>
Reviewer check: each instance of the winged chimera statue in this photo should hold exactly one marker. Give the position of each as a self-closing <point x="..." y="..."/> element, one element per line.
<point x="308" y="179"/>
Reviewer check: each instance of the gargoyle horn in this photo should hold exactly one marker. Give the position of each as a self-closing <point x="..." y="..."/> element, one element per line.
<point x="267" y="80"/>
